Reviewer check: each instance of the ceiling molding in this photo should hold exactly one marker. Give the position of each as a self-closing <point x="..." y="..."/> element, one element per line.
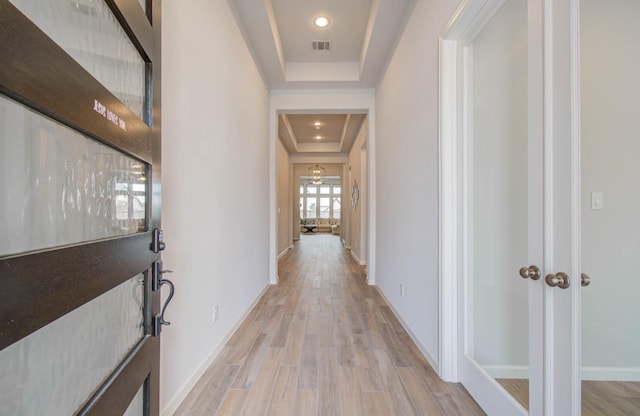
<point x="289" y="129"/>
<point x="344" y="131"/>
<point x="376" y="24"/>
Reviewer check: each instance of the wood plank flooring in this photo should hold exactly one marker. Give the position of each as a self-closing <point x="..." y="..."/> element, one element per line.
<point x="599" y="398"/>
<point x="322" y="342"/>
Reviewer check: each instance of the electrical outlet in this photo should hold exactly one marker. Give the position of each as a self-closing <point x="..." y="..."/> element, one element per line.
<point x="215" y="313"/>
<point x="401" y="289"/>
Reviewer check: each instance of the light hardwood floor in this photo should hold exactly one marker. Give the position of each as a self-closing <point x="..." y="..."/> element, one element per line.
<point x="599" y="398"/>
<point x="323" y="342"/>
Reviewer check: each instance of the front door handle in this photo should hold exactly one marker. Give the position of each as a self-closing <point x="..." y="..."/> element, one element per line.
<point x="560" y="280"/>
<point x="158" y="282"/>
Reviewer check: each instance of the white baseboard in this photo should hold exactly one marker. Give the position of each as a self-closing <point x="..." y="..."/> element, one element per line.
<point x="611" y="373"/>
<point x="182" y="393"/>
<point x="354" y="256"/>
<point x="360" y="262"/>
<point x="588" y="373"/>
<point x="507" y="371"/>
<point x="284" y="252"/>
<point x="423" y="350"/>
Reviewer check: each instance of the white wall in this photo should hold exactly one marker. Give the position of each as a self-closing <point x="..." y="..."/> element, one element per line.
<point x="358" y="246"/>
<point x="215" y="190"/>
<point x="406" y="139"/>
<point x="284" y="208"/>
<point x="610" y="150"/>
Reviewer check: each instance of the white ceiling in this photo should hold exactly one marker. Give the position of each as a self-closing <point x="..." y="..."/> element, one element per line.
<point x="363" y="35"/>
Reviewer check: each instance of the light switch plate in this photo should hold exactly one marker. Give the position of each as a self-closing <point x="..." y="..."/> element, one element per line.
<point x="597" y="200"/>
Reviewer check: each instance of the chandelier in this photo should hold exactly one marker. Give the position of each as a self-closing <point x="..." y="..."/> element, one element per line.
<point x="316" y="173"/>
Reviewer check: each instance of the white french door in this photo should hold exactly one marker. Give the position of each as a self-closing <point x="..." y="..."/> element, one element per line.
<point x="517" y="180"/>
<point x="502" y="217"/>
<point x="539" y="149"/>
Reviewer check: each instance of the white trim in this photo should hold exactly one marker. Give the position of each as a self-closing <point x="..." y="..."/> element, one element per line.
<point x="548" y="227"/>
<point x="273" y="198"/>
<point x="611" y="373"/>
<point x="364" y="204"/>
<point x="173" y="404"/>
<point x="448" y="214"/>
<point x="371" y="196"/>
<point x="483" y="388"/>
<point x="360" y="262"/>
<point x="508" y="371"/>
<point x="425" y="352"/>
<point x="466" y="190"/>
<point x="284" y="252"/>
<point x="576" y="226"/>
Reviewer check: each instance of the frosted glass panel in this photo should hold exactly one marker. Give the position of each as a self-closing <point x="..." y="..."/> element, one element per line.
<point x="54" y="370"/>
<point x="136" y="408"/>
<point x="58" y="187"/>
<point x="90" y="33"/>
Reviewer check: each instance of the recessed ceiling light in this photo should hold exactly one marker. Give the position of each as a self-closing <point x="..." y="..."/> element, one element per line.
<point x="321" y="21"/>
<point x="317" y="124"/>
<point x="318" y="137"/>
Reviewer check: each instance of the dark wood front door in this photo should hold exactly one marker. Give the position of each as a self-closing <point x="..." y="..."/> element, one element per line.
<point x="80" y="200"/>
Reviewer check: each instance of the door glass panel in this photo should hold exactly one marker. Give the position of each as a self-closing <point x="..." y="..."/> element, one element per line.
<point x="610" y="229"/>
<point x="498" y="204"/>
<point x="58" y="187"/>
<point x="136" y="408"/>
<point x="55" y="369"/>
<point x="90" y="33"/>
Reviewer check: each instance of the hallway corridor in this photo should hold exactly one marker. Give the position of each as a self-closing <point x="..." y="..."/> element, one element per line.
<point x="323" y="342"/>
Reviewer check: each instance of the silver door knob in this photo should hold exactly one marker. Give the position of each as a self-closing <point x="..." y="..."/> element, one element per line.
<point x="532" y="272"/>
<point x="585" y="280"/>
<point x="559" y="279"/>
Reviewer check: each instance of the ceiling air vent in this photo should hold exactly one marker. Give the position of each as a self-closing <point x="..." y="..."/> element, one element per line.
<point x="321" y="45"/>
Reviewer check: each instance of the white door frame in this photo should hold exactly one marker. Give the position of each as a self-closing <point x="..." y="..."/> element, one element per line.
<point x="318" y="102"/>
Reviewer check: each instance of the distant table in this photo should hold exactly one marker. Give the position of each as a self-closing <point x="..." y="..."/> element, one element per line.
<point x="310" y="228"/>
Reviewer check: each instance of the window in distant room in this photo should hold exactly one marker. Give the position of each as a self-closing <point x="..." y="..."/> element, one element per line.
<point x="320" y="201"/>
